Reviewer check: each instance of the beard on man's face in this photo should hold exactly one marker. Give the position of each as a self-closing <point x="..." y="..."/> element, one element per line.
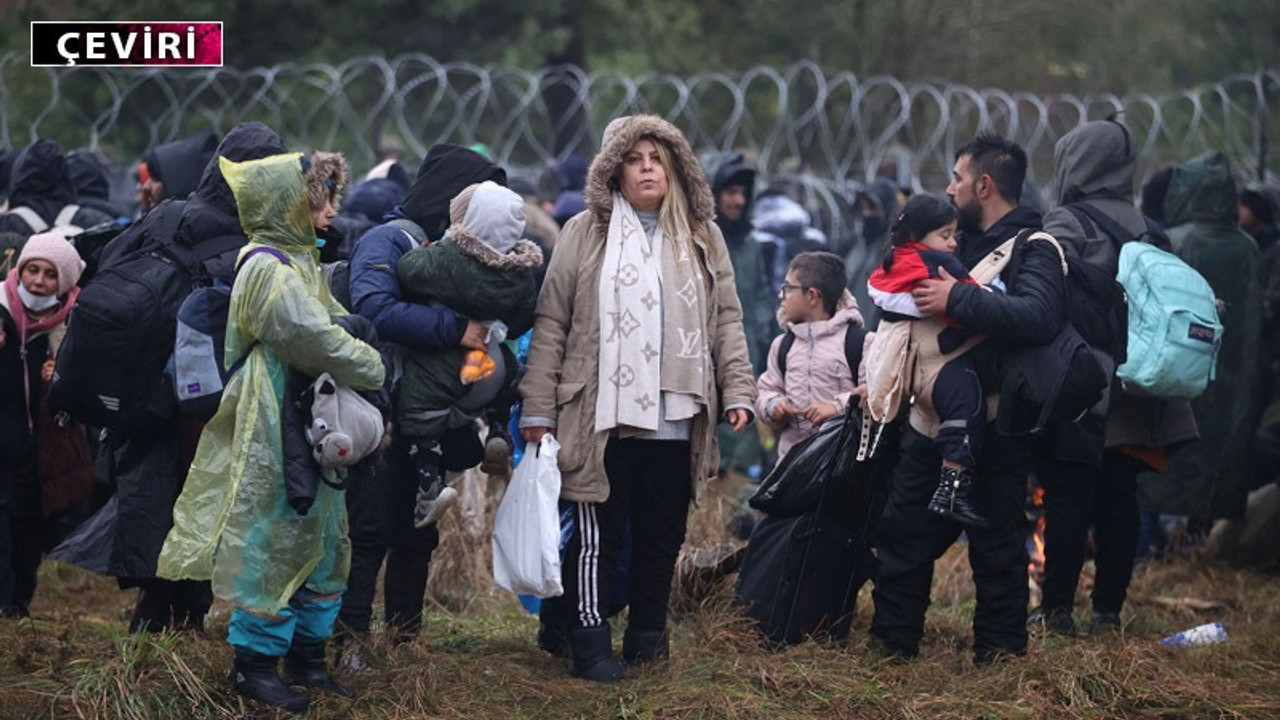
<point x="969" y="217"/>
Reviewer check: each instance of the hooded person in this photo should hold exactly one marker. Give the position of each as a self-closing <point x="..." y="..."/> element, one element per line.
<point x="326" y="184"/>
<point x="482" y="269"/>
<point x="1211" y="478"/>
<point x="174" y="169"/>
<point x="93" y="189"/>
<point x="1090" y="477"/>
<point x="733" y="187"/>
<point x="35" y="304"/>
<point x="637" y="354"/>
<point x="148" y="468"/>
<point x="41" y="190"/>
<point x="232" y="523"/>
<point x="382" y="513"/>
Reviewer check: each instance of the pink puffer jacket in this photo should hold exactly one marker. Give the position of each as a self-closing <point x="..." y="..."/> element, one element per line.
<point x="817" y="372"/>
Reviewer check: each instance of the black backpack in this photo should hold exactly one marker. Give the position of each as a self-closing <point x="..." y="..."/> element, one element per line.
<point x="111" y="369"/>
<point x="1064" y="379"/>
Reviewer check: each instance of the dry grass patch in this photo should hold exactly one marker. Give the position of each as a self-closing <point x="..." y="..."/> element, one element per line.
<point x="476" y="657"/>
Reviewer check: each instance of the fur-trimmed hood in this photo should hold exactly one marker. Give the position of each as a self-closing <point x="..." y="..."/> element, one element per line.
<point x="326" y="176"/>
<point x="524" y="255"/>
<point x="619" y="136"/>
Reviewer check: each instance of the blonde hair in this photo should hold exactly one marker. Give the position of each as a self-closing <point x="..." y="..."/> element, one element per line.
<point x="673" y="215"/>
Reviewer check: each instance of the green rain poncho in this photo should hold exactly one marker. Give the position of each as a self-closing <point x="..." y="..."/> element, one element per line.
<point x="232" y="524"/>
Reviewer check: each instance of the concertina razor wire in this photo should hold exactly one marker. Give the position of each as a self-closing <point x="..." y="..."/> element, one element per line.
<point x="818" y="134"/>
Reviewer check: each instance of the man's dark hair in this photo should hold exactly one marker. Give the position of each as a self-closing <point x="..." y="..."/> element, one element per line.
<point x="1001" y="158"/>
<point x="824" y="272"/>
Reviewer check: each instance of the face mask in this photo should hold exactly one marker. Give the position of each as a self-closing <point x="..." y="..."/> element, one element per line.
<point x="36" y="303"/>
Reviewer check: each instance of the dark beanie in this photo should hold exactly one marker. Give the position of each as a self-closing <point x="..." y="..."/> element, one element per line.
<point x="445" y="172"/>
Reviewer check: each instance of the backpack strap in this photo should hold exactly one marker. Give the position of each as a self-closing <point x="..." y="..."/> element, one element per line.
<point x="273" y="252"/>
<point x="784" y="347"/>
<point x="1113" y="229"/>
<point x="31" y="218"/>
<point x="277" y="254"/>
<point x="66" y="215"/>
<point x="854" y="336"/>
<point x="994" y="263"/>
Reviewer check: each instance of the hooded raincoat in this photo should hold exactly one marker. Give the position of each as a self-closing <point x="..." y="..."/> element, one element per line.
<point x="232" y="523"/>
<point x="1211" y="479"/>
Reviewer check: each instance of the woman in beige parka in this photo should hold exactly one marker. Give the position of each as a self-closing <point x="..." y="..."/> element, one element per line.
<point x="638" y="351"/>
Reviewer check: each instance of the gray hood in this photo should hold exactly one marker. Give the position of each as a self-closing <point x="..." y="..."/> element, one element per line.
<point x="1095" y="161"/>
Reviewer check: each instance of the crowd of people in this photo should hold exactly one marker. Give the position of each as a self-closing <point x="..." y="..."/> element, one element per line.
<point x="681" y="321"/>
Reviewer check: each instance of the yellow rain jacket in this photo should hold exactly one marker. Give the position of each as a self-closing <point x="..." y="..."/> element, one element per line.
<point x="232" y="524"/>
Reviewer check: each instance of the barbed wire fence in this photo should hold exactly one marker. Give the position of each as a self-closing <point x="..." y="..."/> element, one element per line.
<point x="820" y="134"/>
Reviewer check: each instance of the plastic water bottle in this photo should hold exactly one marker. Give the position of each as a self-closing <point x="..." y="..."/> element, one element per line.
<point x="1211" y="634"/>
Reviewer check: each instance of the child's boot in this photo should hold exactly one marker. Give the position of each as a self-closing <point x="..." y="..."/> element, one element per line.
<point x="962" y="509"/>
<point x="497" y="450"/>
<point x="940" y="503"/>
<point x="434" y="497"/>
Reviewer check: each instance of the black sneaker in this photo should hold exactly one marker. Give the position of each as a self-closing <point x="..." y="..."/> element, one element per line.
<point x="1053" y="621"/>
<point x="1106" y="622"/>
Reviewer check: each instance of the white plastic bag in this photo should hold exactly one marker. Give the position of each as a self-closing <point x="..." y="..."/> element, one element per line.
<point x="526" y="532"/>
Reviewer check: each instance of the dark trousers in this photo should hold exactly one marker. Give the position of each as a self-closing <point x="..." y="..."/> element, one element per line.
<point x="911" y="538"/>
<point x="171" y="605"/>
<point x="25" y="548"/>
<point x="1077" y="496"/>
<point x="380" y="515"/>
<point x="649" y="485"/>
<point x="960" y="402"/>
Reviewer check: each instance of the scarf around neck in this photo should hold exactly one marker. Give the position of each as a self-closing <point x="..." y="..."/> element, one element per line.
<point x="27" y="327"/>
<point x="652" y="344"/>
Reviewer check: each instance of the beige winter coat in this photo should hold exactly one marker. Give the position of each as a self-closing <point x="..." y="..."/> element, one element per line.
<point x="561" y="383"/>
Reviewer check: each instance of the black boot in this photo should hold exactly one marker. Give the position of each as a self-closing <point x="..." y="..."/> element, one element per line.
<point x="591" y="652"/>
<point x="553" y="637"/>
<point x="962" y="508"/>
<point x="940" y="503"/>
<point x="305" y="664"/>
<point x="255" y="677"/>
<point x="641" y="646"/>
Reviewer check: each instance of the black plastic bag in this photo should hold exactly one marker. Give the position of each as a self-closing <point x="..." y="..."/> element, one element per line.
<point x="796" y="485"/>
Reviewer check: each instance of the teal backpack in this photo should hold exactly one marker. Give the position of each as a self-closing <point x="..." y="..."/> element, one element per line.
<point x="1174" y="331"/>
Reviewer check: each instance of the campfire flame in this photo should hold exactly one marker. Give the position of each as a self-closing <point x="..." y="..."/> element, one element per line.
<point x="1035" y="543"/>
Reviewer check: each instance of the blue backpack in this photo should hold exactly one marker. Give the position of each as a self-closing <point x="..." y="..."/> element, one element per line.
<point x="1174" y="331"/>
<point x="199" y="369"/>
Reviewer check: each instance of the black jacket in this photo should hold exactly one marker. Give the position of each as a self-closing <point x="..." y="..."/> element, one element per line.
<point x="1032" y="309"/>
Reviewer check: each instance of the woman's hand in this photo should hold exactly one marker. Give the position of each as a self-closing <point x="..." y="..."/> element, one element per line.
<point x="533" y="435"/>
<point x="2" y="337"/>
<point x="738" y="418"/>
<point x="819" y="413"/>
<point x="46" y="370"/>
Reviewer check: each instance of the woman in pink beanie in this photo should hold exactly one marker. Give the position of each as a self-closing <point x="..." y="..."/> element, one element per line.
<point x="37" y="299"/>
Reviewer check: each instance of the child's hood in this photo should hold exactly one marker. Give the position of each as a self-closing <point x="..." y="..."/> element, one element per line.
<point x="491" y="229"/>
<point x="847" y="313"/>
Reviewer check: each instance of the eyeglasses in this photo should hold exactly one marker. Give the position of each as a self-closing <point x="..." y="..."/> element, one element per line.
<point x="784" y="288"/>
